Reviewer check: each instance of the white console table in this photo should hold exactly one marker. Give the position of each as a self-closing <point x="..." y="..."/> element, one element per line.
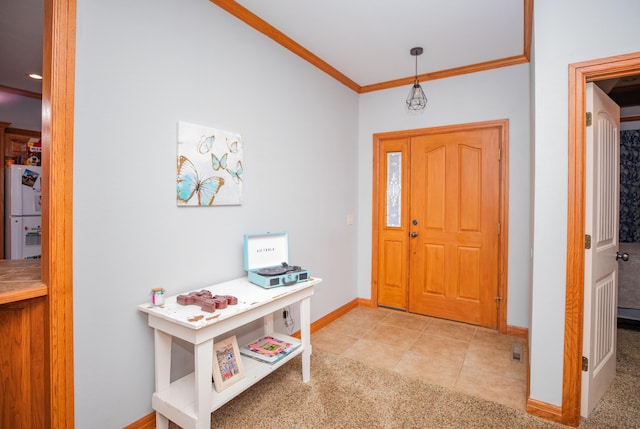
<point x="190" y="400"/>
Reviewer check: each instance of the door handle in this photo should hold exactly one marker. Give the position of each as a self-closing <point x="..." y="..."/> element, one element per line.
<point x="623" y="256"/>
<point x="414" y="234"/>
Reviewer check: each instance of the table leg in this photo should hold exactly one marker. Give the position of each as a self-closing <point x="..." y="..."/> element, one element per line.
<point x="268" y="324"/>
<point x="162" y="345"/>
<point x="203" y="366"/>
<point x="161" y="421"/>
<point x="305" y="336"/>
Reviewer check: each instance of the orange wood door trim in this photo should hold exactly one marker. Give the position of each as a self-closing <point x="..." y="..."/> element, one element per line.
<point x="442" y="74"/>
<point x="579" y="75"/>
<point x="503" y="125"/>
<point x="57" y="169"/>
<point x="21" y="92"/>
<point x="544" y="410"/>
<point x="146" y="422"/>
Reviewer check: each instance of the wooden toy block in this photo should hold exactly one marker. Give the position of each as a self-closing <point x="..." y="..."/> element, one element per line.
<point x="206" y="300"/>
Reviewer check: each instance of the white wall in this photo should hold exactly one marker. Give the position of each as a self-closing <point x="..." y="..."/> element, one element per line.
<point x="495" y="94"/>
<point x="22" y="112"/>
<point x="565" y="32"/>
<point x="141" y="67"/>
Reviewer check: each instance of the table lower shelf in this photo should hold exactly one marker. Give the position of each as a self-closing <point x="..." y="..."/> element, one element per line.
<point x="178" y="402"/>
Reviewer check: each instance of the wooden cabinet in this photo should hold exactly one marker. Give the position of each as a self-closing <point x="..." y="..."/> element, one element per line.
<point x="22" y="364"/>
<point x="15" y="143"/>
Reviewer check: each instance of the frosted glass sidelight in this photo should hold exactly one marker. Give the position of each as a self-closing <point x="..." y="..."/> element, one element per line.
<point x="394" y="189"/>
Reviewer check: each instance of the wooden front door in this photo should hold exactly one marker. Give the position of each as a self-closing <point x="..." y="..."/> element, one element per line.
<point x="442" y="256"/>
<point x="454" y="226"/>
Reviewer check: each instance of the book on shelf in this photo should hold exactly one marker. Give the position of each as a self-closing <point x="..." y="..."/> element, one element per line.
<point x="269" y="349"/>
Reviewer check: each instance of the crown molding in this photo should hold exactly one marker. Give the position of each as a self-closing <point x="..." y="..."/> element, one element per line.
<point x="257" y="23"/>
<point x="21" y="92"/>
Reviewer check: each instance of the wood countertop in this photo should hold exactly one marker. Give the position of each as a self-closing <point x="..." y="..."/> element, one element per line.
<point x="20" y="280"/>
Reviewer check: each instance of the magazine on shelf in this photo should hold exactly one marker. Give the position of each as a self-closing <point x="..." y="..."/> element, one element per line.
<point x="270" y="348"/>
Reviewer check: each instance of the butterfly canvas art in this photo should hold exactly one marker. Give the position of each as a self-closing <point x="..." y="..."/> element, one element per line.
<point x="190" y="185"/>
<point x="209" y="166"/>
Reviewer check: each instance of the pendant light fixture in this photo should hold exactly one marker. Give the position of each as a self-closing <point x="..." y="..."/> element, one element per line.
<point x="416" y="99"/>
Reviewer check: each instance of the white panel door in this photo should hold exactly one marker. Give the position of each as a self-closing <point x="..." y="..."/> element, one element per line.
<point x="601" y="264"/>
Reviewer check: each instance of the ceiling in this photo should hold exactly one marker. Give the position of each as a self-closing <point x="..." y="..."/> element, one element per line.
<point x="364" y="43"/>
<point x="21" y="28"/>
<point x="369" y="42"/>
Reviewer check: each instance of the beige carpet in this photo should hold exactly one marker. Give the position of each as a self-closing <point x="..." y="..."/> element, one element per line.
<point x="344" y="393"/>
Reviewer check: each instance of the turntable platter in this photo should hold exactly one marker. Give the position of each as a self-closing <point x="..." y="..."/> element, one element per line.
<point x="278" y="270"/>
<point x="272" y="271"/>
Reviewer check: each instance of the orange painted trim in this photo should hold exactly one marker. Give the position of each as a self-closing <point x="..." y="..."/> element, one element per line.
<point x="456" y="71"/>
<point x="146" y="422"/>
<point x="363" y="302"/>
<point x="375" y="221"/>
<point x="282" y="39"/>
<point x="503" y="239"/>
<point x="324" y="321"/>
<point x="276" y="35"/>
<point x="579" y="75"/>
<point x="517" y="331"/>
<point x="23" y="132"/>
<point x="57" y="196"/>
<point x="630" y="119"/>
<point x="20" y="92"/>
<point x="528" y="28"/>
<point x="574" y="305"/>
<point x="544" y="410"/>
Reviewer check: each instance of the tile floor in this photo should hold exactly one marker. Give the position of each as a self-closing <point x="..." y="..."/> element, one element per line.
<point x="466" y="358"/>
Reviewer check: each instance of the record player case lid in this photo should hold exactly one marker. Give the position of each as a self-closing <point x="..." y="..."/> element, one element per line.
<point x="265" y="250"/>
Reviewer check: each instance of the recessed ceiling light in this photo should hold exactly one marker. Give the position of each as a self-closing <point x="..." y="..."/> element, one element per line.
<point x="35" y="76"/>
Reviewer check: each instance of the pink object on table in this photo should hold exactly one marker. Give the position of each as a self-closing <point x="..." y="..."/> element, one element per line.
<point x="206" y="300"/>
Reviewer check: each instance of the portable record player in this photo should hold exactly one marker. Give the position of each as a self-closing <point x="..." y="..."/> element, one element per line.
<point x="266" y="260"/>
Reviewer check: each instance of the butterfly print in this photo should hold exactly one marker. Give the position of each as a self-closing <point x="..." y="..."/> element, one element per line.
<point x="235" y="175"/>
<point x="206" y="143"/>
<point x="189" y="184"/>
<point x="233" y="146"/>
<point x="217" y="164"/>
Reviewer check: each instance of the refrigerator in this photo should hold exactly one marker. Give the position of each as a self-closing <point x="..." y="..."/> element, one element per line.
<point x="23" y="209"/>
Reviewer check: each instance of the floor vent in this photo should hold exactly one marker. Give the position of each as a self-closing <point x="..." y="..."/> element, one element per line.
<point x="516" y="353"/>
